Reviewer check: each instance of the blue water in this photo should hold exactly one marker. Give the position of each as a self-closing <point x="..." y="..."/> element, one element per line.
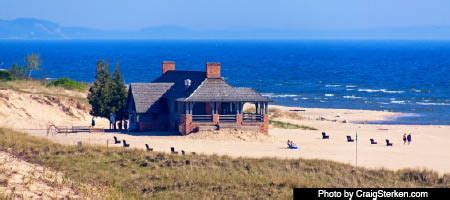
<point x="404" y="76"/>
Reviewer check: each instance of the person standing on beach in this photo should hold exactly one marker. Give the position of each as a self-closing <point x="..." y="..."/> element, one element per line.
<point x="93" y="122"/>
<point x="409" y="138"/>
<point x="404" y="138"/>
<point x="112" y="121"/>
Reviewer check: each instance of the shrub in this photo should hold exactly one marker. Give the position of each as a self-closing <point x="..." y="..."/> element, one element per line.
<point x="5" y="75"/>
<point x="17" y="71"/>
<point x="68" y="84"/>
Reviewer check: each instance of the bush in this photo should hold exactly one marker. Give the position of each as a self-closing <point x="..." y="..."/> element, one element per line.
<point x="5" y="75"/>
<point x="69" y="84"/>
<point x="17" y="72"/>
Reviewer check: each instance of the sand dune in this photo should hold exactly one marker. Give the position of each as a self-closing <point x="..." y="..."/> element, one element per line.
<point x="23" y="180"/>
<point x="37" y="110"/>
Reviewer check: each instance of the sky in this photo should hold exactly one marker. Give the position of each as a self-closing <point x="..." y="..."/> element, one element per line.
<point x="236" y="14"/>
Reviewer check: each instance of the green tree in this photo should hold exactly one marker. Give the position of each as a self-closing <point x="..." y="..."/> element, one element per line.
<point x="118" y="94"/>
<point x="100" y="92"/>
<point x="17" y="71"/>
<point x="33" y="62"/>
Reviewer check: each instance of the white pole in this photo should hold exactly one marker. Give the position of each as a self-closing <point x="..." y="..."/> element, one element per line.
<point x="356" y="138"/>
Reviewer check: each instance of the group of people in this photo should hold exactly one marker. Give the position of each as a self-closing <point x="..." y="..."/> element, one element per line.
<point x="291" y="144"/>
<point x="407" y="138"/>
<point x="113" y="124"/>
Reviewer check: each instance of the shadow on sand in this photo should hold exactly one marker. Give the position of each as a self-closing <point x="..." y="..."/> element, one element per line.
<point x="152" y="133"/>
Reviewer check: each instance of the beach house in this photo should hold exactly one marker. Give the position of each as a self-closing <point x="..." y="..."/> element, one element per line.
<point x="189" y="101"/>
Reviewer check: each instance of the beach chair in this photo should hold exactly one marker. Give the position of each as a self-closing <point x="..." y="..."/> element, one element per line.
<point x="388" y="143"/>
<point x="116" y="141"/>
<point x="182" y="152"/>
<point x="350" y="139"/>
<point x="325" y="136"/>
<point x="148" y="147"/>
<point x="372" y="141"/>
<point x="172" y="150"/>
<point x="125" y="144"/>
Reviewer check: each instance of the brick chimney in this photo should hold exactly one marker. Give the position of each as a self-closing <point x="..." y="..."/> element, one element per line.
<point x="168" y="66"/>
<point x="213" y="70"/>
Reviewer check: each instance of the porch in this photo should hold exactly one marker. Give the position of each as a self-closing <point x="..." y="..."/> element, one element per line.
<point x="215" y="103"/>
<point x="197" y="115"/>
<point x="224" y="112"/>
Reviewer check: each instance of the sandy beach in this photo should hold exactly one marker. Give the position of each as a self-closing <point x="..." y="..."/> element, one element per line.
<point x="32" y="112"/>
<point x="429" y="148"/>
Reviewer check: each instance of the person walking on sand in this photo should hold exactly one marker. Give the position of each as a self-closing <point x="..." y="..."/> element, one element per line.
<point x="404" y="138"/>
<point x="409" y="138"/>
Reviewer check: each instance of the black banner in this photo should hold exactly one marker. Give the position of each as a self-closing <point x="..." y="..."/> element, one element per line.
<point x="371" y="193"/>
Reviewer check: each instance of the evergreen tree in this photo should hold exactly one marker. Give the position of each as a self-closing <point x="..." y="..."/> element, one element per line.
<point x="118" y="94"/>
<point x="100" y="92"/>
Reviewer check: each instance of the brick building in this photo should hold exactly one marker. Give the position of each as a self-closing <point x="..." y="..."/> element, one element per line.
<point x="188" y="101"/>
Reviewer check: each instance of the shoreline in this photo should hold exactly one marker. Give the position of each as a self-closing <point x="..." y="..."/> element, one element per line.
<point x="388" y="120"/>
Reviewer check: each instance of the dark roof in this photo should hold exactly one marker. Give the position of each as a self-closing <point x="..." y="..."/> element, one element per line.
<point x="178" y="77"/>
<point x="218" y="90"/>
<point x="146" y="96"/>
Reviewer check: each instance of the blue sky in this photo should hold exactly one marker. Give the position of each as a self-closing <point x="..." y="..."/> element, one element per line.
<point x="227" y="14"/>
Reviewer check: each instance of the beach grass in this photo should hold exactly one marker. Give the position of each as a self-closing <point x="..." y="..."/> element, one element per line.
<point x="69" y="84"/>
<point x="26" y="85"/>
<point x="40" y="87"/>
<point x="287" y="125"/>
<point x="117" y="173"/>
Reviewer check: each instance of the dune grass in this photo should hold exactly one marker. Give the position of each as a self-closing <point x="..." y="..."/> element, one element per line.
<point x="40" y="87"/>
<point x="136" y="174"/>
<point x="68" y="84"/>
<point x="27" y="85"/>
<point x="287" y="125"/>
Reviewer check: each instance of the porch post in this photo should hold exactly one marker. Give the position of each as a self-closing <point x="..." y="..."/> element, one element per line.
<point x="215" y="116"/>
<point x="217" y="107"/>
<point x="263" y="108"/>
<point x="266" y="105"/>
<point x="239" y="117"/>
<point x="185" y="120"/>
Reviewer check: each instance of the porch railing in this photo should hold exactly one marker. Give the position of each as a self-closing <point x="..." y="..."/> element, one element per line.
<point x="202" y="118"/>
<point x="227" y="118"/>
<point x="251" y="117"/>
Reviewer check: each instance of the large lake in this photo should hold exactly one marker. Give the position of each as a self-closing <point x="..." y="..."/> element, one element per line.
<point x="404" y="76"/>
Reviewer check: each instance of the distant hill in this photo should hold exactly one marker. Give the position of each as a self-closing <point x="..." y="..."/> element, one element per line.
<point x="31" y="28"/>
